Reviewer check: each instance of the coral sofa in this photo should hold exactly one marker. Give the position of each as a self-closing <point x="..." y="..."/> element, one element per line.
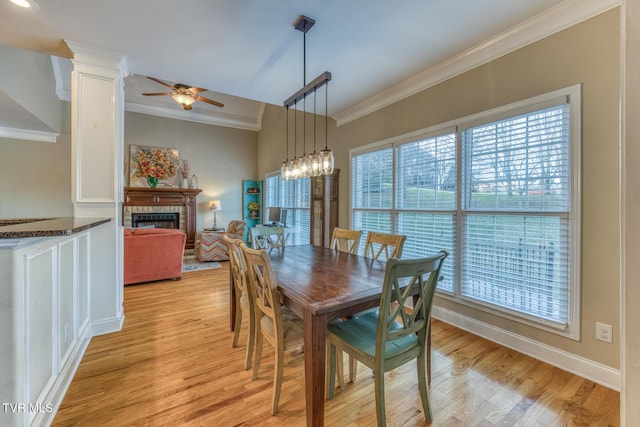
<point x="152" y="254"/>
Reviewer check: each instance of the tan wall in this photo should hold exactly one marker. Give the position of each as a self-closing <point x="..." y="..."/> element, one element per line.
<point x="220" y="157"/>
<point x="35" y="177"/>
<point x="587" y="53"/>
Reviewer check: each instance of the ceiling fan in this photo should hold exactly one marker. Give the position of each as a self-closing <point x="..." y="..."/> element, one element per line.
<point x="183" y="94"/>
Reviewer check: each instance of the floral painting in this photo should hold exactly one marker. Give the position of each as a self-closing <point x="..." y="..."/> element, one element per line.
<point x="153" y="166"/>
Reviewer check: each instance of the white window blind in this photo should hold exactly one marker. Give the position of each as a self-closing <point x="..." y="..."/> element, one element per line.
<point x="426" y="200"/>
<point x="372" y="192"/>
<point x="516" y="207"/>
<point x="294" y="196"/>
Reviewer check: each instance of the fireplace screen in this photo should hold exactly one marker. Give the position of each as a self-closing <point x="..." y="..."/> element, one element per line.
<point x="156" y="220"/>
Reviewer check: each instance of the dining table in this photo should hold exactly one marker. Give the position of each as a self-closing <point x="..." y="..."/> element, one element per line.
<point x="320" y="285"/>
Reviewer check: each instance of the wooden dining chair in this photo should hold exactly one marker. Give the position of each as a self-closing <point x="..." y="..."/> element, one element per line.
<point x="379" y="243"/>
<point x="279" y="326"/>
<point x="243" y="296"/>
<point x="388" y="338"/>
<point x="345" y="240"/>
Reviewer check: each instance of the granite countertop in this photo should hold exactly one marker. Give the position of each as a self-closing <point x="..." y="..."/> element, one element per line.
<point x="46" y="227"/>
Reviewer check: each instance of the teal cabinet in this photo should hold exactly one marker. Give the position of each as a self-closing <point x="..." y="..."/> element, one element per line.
<point x="252" y="205"/>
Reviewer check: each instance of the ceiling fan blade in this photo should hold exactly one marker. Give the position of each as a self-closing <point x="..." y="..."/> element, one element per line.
<point x="157" y="94"/>
<point x="160" y="81"/>
<point x="197" y="89"/>
<point x="209" y="101"/>
<point x="186" y="107"/>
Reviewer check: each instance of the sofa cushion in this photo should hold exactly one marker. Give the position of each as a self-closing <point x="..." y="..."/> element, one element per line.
<point x="147" y="231"/>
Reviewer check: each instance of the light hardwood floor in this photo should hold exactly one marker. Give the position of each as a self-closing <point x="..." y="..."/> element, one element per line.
<point x="172" y="365"/>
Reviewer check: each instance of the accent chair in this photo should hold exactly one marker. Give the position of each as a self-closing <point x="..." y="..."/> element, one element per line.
<point x="210" y="246"/>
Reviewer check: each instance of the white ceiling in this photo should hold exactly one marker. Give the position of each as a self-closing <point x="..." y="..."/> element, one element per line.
<point x="248" y="53"/>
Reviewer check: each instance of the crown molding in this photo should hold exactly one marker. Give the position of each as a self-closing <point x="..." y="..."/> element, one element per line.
<point x="219" y="119"/>
<point x="551" y="21"/>
<point x="29" y="135"/>
<point x="62" y="93"/>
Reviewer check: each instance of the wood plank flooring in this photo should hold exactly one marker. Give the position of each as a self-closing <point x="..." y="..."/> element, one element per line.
<point x="173" y="365"/>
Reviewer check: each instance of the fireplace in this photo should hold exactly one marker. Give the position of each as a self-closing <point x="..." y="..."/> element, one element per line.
<point x="162" y="207"/>
<point x="158" y="220"/>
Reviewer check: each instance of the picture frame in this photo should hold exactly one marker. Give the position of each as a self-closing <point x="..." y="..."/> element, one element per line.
<point x="152" y="167"/>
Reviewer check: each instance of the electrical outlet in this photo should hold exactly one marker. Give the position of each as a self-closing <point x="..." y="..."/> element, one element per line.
<point x="604" y="332"/>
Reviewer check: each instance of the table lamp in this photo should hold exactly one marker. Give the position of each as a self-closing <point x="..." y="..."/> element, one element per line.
<point x="215" y="206"/>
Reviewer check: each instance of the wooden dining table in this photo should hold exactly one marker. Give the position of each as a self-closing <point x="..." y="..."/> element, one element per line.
<point x="320" y="285"/>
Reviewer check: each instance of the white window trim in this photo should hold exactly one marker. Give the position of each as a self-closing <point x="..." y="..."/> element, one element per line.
<point x="573" y="328"/>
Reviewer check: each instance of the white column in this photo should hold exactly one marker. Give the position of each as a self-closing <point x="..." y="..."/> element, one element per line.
<point x="97" y="134"/>
<point x="630" y="209"/>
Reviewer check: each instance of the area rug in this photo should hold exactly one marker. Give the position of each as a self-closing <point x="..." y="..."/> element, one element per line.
<point x="191" y="263"/>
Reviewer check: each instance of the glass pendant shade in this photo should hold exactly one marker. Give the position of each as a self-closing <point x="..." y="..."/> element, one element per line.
<point x="314" y="164"/>
<point x="326" y="162"/>
<point x="305" y="167"/>
<point x="284" y="171"/>
<point x="295" y="170"/>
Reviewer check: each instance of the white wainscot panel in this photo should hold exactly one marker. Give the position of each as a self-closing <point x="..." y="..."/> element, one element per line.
<point x="67" y="306"/>
<point x="39" y="320"/>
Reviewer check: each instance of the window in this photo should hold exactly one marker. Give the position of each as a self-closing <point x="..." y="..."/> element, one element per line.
<point x="294" y="197"/>
<point x="498" y="191"/>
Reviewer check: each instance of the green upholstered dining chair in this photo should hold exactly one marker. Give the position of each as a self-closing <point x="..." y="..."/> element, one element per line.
<point x="345" y="240"/>
<point x="389" y="244"/>
<point x="392" y="336"/>
<point x="243" y="296"/>
<point x="279" y="326"/>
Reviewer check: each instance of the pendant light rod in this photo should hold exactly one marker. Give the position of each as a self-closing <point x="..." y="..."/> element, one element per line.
<point x="287" y="150"/>
<point x="326" y="128"/>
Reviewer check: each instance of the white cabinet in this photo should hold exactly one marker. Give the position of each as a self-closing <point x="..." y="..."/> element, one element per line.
<point x="44" y="323"/>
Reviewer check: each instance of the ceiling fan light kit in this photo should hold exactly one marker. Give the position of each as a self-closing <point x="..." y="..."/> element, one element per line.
<point x="314" y="164"/>
<point x="27" y="4"/>
<point x="184" y="99"/>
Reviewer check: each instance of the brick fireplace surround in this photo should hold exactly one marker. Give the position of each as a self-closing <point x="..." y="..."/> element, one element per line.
<point x="163" y="200"/>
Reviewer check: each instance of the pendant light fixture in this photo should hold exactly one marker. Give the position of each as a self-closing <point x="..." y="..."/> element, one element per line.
<point x="293" y="164"/>
<point x="314" y="164"/>
<point x="314" y="158"/>
<point x="326" y="155"/>
<point x="285" y="173"/>
<point x="303" y="161"/>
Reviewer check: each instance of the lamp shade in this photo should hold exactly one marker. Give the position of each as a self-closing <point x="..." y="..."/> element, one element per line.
<point x="215" y="205"/>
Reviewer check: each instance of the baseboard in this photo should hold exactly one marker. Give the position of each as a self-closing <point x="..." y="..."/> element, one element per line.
<point x="106" y="326"/>
<point x="589" y="369"/>
<point x="61" y="384"/>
